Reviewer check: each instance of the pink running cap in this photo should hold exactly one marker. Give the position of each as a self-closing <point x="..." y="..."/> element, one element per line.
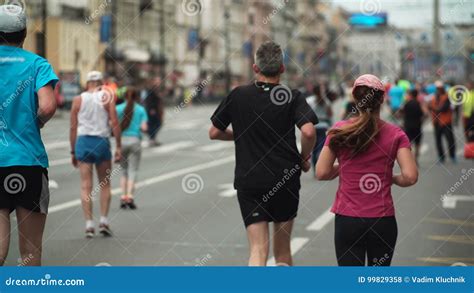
<point x="370" y="81"/>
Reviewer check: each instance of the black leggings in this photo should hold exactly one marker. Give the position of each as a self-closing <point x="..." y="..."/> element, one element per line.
<point x="358" y="238"/>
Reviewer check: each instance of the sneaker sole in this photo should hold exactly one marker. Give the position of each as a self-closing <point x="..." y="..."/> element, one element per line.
<point x="106" y="234"/>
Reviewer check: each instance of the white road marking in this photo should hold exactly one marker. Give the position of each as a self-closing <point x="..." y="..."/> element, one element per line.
<point x="53" y="184"/>
<point x="151" y="181"/>
<point x="296" y="245"/>
<point x="186" y="125"/>
<point x="56" y="145"/>
<point x="215" y="147"/>
<point x="59" y="162"/>
<point x="168" y="148"/>
<point x="227" y="190"/>
<point x="450" y="201"/>
<point x="424" y="149"/>
<point x="321" y="221"/>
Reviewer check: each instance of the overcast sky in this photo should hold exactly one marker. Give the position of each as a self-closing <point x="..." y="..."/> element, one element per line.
<point x="413" y="13"/>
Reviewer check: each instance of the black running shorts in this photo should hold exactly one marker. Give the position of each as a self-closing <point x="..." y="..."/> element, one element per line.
<point x="25" y="187"/>
<point x="280" y="206"/>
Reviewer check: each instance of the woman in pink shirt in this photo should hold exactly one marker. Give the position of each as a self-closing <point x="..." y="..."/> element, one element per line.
<point x="366" y="148"/>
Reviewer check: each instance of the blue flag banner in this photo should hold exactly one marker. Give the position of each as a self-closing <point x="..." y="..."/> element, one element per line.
<point x="237" y="279"/>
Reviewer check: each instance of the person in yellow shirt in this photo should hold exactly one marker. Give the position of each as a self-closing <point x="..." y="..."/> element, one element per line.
<point x="468" y="113"/>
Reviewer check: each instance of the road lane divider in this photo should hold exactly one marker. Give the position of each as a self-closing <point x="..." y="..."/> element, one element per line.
<point x="213" y="147"/>
<point x="321" y="221"/>
<point x="151" y="181"/>
<point x="450" y="201"/>
<point x="227" y="190"/>
<point x="172" y="147"/>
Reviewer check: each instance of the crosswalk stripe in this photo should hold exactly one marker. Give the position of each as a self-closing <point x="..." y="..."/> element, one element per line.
<point x="321" y="221"/>
<point x="296" y="245"/>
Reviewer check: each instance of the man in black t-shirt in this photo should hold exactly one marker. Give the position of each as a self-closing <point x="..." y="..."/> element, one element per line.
<point x="413" y="116"/>
<point x="263" y="116"/>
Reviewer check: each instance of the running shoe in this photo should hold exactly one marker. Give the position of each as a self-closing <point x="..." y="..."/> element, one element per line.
<point x="131" y="204"/>
<point x="123" y="204"/>
<point x="105" y="230"/>
<point x="90" y="233"/>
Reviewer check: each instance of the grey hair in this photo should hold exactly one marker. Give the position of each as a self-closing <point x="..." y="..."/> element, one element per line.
<point x="269" y="59"/>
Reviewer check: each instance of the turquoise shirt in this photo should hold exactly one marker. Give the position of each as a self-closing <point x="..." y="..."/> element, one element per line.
<point x="139" y="117"/>
<point x="22" y="75"/>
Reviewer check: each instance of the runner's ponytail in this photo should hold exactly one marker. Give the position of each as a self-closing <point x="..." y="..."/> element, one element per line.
<point x="358" y="135"/>
<point x="131" y="96"/>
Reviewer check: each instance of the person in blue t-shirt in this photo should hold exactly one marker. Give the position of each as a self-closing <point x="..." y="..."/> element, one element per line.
<point x="27" y="103"/>
<point x="396" y="95"/>
<point x="133" y="121"/>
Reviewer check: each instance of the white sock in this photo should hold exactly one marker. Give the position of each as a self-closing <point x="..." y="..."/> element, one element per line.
<point x="89" y="224"/>
<point x="104" y="220"/>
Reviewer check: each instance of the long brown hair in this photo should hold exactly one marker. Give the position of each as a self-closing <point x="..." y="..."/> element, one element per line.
<point x="131" y="96"/>
<point x="358" y="134"/>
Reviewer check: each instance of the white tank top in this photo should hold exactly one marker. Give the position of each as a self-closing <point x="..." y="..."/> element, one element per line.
<point x="93" y="119"/>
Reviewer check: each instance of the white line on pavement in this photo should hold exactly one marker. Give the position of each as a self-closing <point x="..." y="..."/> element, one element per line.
<point x="321" y="221"/>
<point x="215" y="147"/>
<point x="296" y="245"/>
<point x="450" y="201"/>
<point x="59" y="162"/>
<point x="228" y="190"/>
<point x="168" y="148"/>
<point x="56" y="145"/>
<point x="151" y="181"/>
<point x="424" y="149"/>
<point x="161" y="150"/>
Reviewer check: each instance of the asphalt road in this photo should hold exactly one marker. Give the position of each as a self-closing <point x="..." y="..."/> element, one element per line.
<point x="188" y="214"/>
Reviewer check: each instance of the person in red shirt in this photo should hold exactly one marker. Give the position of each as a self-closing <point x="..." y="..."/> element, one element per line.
<point x="366" y="148"/>
<point x="442" y="117"/>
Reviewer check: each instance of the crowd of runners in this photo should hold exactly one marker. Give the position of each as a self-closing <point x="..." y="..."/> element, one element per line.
<point x="263" y="129"/>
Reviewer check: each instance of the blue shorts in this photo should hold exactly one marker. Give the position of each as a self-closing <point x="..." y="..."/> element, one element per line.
<point x="93" y="149"/>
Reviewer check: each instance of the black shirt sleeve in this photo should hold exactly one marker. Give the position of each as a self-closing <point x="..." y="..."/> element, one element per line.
<point x="222" y="118"/>
<point x="303" y="113"/>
